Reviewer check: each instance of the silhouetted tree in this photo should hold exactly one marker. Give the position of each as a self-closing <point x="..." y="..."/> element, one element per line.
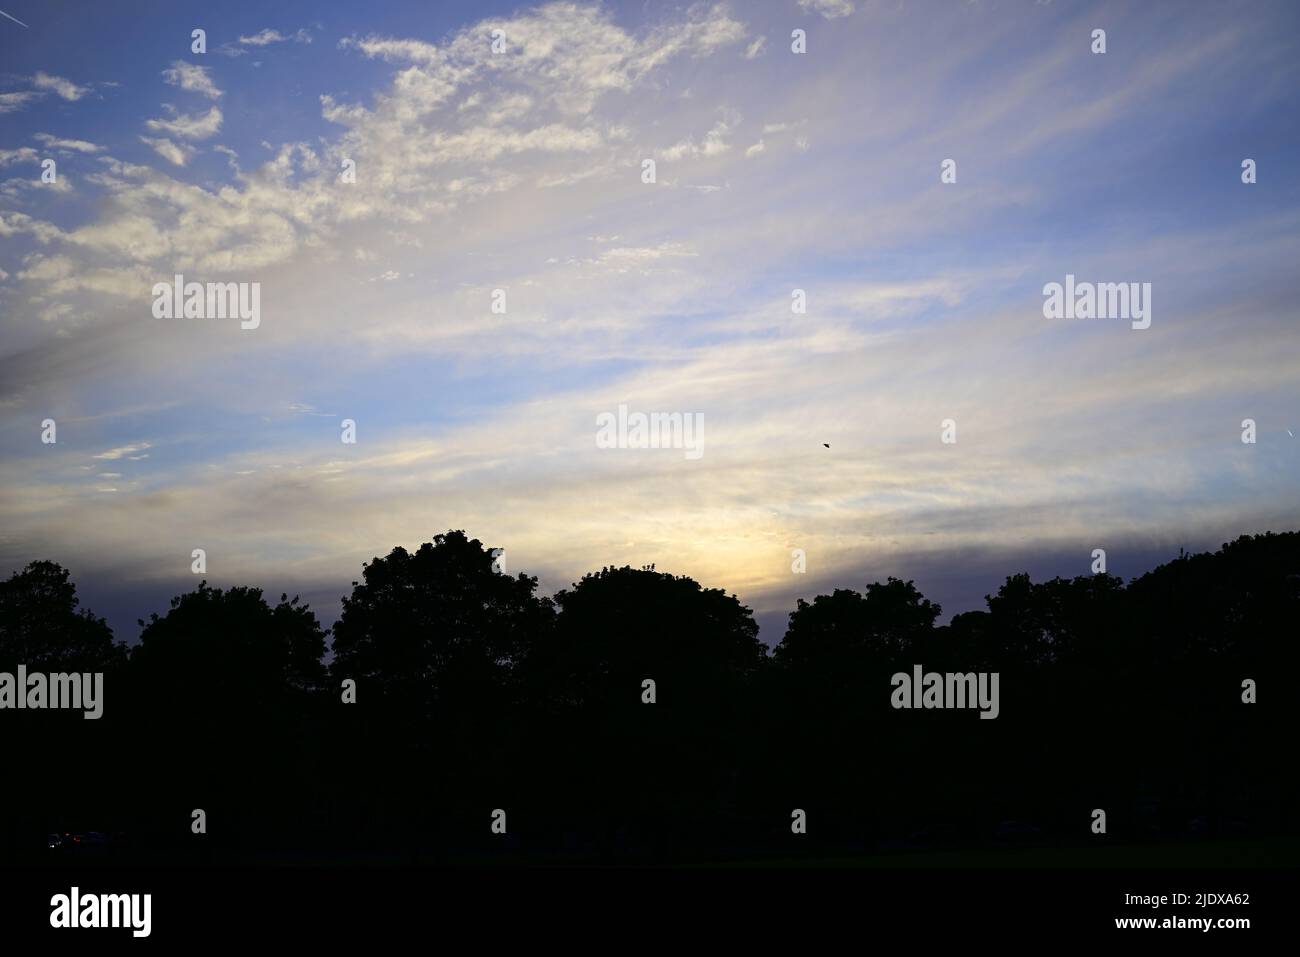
<point x="624" y="762"/>
<point x="216" y="646"/>
<point x="844" y="632"/>
<point x="437" y="626"/>
<point x="432" y="640"/>
<point x="834" y="730"/>
<point x="221" y="693"/>
<point x="620" y="626"/>
<point x="41" y="627"/>
<point x="1056" y="621"/>
<point x="1202" y="624"/>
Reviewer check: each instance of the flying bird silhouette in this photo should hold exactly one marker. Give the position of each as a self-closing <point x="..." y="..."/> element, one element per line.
<point x="827" y="444"/>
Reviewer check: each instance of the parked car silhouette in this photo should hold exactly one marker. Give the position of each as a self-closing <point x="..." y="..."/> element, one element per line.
<point x="83" y="843"/>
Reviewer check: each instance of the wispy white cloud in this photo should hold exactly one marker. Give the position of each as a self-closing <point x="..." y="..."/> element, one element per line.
<point x="64" y="89"/>
<point x="179" y="154"/>
<point x="24" y="154"/>
<point x="12" y="102"/>
<point x="714" y="142"/>
<point x="193" y="78"/>
<point x="188" y="126"/>
<point x="122" y="451"/>
<point x="268" y="36"/>
<point x="59" y="143"/>
<point x="830" y="9"/>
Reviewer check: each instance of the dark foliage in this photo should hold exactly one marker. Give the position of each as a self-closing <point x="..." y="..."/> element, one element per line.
<point x="474" y="693"/>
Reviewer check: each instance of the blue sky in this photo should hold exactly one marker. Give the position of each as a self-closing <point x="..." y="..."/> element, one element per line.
<point x="522" y="171"/>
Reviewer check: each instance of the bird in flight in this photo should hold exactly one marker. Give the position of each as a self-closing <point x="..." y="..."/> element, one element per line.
<point x="14" y="19"/>
<point x="827" y="444"/>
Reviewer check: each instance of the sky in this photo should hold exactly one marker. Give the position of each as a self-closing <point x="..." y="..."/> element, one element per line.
<point x="522" y="170"/>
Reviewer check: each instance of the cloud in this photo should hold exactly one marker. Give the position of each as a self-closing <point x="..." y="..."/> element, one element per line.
<point x="45" y="84"/>
<point x="18" y="224"/>
<point x="401" y="51"/>
<point x="624" y="259"/>
<point x="58" y="143"/>
<point x="577" y="54"/>
<point x="12" y="102"/>
<point x="195" y="79"/>
<point x="172" y="152"/>
<point x="830" y="9"/>
<point x="65" y="89"/>
<point x="62" y="275"/>
<point x="756" y="49"/>
<point x="188" y="126"/>
<point x="122" y="451"/>
<point x="20" y="189"/>
<point x="268" y="36"/>
<point x="56" y="312"/>
<point x="713" y="144"/>
<point x="24" y="154"/>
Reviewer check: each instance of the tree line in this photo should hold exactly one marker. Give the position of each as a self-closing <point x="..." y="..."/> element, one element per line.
<point x="472" y="693"/>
